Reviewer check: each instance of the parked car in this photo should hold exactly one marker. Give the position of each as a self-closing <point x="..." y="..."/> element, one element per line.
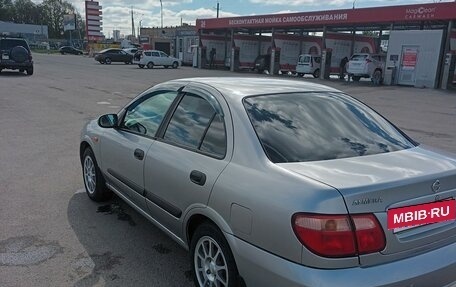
<point x="364" y="65"/>
<point x="151" y="58"/>
<point x="308" y="64"/>
<point x="15" y="54"/>
<point x="108" y="56"/>
<point x="276" y="183"/>
<point x="70" y="50"/>
<point x="262" y="63"/>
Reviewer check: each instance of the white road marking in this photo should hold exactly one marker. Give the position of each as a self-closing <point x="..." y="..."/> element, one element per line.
<point x="114" y="107"/>
<point x="82" y="190"/>
<point x="103" y="103"/>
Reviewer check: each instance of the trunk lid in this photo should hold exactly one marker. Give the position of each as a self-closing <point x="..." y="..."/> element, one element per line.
<point x="376" y="183"/>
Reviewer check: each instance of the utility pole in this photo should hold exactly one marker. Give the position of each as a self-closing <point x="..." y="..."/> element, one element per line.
<point x="218" y="8"/>
<point x="132" y="23"/>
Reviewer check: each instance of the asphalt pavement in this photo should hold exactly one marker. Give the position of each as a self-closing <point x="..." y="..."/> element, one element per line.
<point x="51" y="234"/>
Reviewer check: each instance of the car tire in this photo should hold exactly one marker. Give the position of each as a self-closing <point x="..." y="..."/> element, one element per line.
<point x="316" y="73"/>
<point x="21" y="70"/>
<point x="150" y="65"/>
<point x="356" y="78"/>
<point x="175" y="65"/>
<point x="108" y="61"/>
<point x="30" y="71"/>
<point x="94" y="182"/>
<point x="300" y="75"/>
<point x="141" y="66"/>
<point x="377" y="78"/>
<point x="210" y="250"/>
<point x="166" y="66"/>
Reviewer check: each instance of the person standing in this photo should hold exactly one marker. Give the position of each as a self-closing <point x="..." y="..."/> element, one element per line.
<point x="343" y="68"/>
<point x="212" y="54"/>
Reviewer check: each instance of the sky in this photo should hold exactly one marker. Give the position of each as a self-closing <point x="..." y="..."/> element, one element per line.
<point x="117" y="13"/>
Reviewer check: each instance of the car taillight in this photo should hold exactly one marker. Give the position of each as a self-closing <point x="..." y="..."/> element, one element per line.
<point x="369" y="234"/>
<point x="339" y="235"/>
<point x="30" y="57"/>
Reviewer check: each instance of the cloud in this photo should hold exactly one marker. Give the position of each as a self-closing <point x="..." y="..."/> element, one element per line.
<point x="201" y="13"/>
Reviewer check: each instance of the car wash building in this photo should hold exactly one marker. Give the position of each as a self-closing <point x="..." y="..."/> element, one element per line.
<point x="421" y="41"/>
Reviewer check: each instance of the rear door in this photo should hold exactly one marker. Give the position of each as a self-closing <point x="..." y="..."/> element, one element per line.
<point x="303" y="64"/>
<point x="156" y="58"/>
<point x="357" y="64"/>
<point x="183" y="165"/>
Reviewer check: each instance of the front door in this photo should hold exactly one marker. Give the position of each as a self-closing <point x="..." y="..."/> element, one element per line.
<point x="123" y="150"/>
<point x="182" y="166"/>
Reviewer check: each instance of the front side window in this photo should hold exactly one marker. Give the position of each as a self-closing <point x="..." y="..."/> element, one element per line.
<point x="196" y="125"/>
<point x="302" y="127"/>
<point x="155" y="54"/>
<point x="144" y="117"/>
<point x="163" y="54"/>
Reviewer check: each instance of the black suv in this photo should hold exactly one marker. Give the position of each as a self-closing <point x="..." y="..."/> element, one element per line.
<point x="15" y="54"/>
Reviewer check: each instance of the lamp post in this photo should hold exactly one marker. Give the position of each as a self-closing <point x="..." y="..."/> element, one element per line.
<point x="161" y="13"/>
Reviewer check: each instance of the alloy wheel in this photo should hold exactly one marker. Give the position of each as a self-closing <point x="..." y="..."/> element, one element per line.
<point x="89" y="175"/>
<point x="211" y="268"/>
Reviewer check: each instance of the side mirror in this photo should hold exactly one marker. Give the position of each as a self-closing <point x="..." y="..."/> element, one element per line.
<point x="108" y="121"/>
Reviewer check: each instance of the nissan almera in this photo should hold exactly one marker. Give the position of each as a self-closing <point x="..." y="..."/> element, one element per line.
<point x="273" y="182"/>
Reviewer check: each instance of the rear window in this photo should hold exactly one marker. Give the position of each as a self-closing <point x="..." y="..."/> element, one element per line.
<point x="302" y="127"/>
<point x="8" y="44"/>
<point x="358" y="57"/>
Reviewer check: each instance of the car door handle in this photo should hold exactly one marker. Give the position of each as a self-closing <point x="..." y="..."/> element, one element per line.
<point x="198" y="177"/>
<point x="139" y="154"/>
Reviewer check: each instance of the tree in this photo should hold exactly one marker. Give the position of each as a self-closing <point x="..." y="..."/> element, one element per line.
<point x="26" y="12"/>
<point x="53" y="11"/>
<point x="6" y="10"/>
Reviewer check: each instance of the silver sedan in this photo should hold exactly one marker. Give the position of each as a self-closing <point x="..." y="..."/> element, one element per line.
<point x="279" y="183"/>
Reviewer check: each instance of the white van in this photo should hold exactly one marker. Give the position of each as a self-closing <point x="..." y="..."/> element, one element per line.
<point x="308" y="64"/>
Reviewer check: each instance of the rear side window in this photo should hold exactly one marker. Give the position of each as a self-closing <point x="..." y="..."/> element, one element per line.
<point x="8" y="44"/>
<point x="148" y="53"/>
<point x="155" y="54"/>
<point x="196" y="125"/>
<point x="302" y="127"/>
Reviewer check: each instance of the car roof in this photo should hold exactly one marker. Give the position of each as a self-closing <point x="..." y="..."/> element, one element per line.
<point x="240" y="87"/>
<point x="11" y="38"/>
<point x="110" y="49"/>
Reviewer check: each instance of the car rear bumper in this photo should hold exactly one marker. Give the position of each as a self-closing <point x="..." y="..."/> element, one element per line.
<point x="14" y="65"/>
<point x="260" y="268"/>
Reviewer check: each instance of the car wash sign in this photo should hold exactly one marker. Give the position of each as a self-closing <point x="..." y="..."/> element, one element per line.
<point x="435" y="11"/>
